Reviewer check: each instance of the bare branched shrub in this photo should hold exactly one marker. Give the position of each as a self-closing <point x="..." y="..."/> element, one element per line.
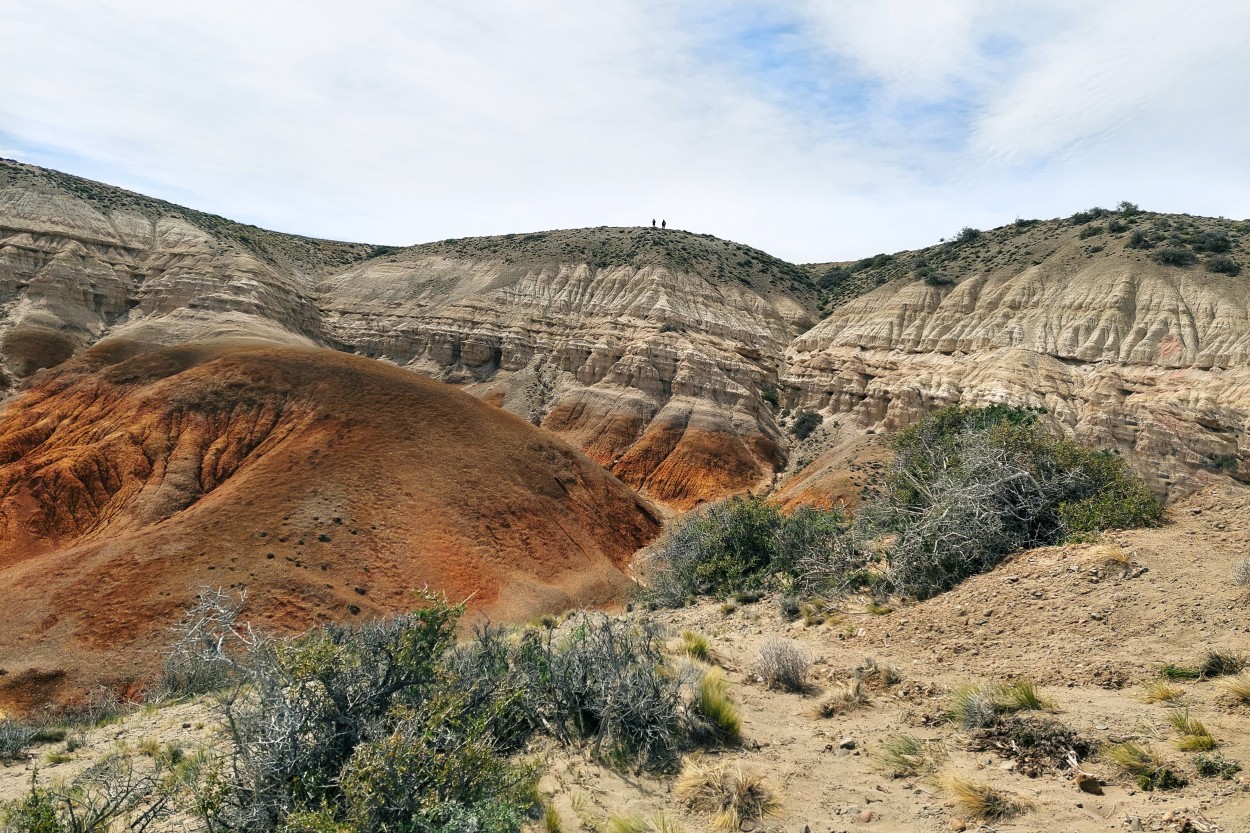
<point x="111" y="795"/>
<point x="781" y="664"/>
<point x="15" y="736"/>
<point x="207" y="642"/>
<point x="605" y="680"/>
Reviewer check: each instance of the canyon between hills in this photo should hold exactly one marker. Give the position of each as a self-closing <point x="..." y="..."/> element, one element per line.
<point x="189" y="401"/>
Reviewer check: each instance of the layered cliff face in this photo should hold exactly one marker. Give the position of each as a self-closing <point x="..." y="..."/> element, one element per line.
<point x="647" y="349"/>
<point x="331" y="486"/>
<point x="657" y="352"/>
<point x="1121" y="350"/>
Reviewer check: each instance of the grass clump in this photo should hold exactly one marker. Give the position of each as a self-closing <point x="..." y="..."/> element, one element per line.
<point x="1239" y="688"/>
<point x="721" y="720"/>
<point x="1222" y="663"/>
<point x="783" y="665"/>
<point x="1194" y="737"/>
<point x="1179" y="672"/>
<point x="1159" y="691"/>
<point x="1145" y="765"/>
<point x="981" y="801"/>
<point x="15" y="737"/>
<point x="843" y="698"/>
<point x="696" y="646"/>
<point x="907" y="755"/>
<point x="732" y="795"/>
<point x="979" y="706"/>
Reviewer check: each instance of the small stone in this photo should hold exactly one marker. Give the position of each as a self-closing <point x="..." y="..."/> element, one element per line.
<point x="846" y="743"/>
<point x="867" y="816"/>
<point x="958" y="824"/>
<point x="1087" y="784"/>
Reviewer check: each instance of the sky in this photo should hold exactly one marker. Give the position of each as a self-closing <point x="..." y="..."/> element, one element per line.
<point x="816" y="131"/>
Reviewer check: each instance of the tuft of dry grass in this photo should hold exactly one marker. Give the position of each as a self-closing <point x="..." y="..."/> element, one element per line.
<point x="903" y="755"/>
<point x="1144" y="764"/>
<point x="551" y="819"/>
<point x="1194" y="737"/>
<point x="842" y="698"/>
<point x="1239" y="687"/>
<point x="724" y="721"/>
<point x="982" y="801"/>
<point x="1222" y="663"/>
<point x="1159" y="691"/>
<point x="730" y="793"/>
<point x="696" y="646"/>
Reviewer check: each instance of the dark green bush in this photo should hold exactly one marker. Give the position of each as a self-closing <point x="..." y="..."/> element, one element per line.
<point x="1116" y="225"/>
<point x="771" y="396"/>
<point x="806" y="423"/>
<point x="1091" y="231"/>
<point x="1175" y="256"/>
<point x="1139" y="240"/>
<point x="1222" y="264"/>
<point x="1216" y="242"/>
<point x="739" y="546"/>
<point x="967" y="234"/>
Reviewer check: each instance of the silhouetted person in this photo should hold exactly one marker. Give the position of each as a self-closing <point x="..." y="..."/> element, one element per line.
<point x="664" y="224"/>
<point x="652" y="222"/>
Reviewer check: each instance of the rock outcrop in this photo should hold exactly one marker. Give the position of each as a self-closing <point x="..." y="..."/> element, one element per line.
<point x="330" y="486"/>
<point x="1121" y="351"/>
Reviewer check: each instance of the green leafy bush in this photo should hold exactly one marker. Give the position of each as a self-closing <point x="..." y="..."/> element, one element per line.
<point x="1222" y="264"/>
<point x="1175" y="256"/>
<point x="806" y="423"/>
<point x="740" y="546"/>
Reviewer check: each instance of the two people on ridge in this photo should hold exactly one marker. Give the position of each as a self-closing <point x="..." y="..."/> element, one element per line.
<point x="663" y="223"/>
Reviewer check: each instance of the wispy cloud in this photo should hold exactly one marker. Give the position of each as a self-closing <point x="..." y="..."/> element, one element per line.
<point x="815" y="130"/>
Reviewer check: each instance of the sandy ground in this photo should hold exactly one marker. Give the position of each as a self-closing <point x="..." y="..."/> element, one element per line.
<point x="1089" y="623"/>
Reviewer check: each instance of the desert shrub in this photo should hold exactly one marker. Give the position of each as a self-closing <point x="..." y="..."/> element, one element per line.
<point x="15" y="736"/>
<point x="805" y="423"/>
<point x="1139" y="240"/>
<point x="971" y="486"/>
<point x="1216" y="765"/>
<point x="109" y="795"/>
<point x="781" y="664"/>
<point x="1080" y="218"/>
<point x="1175" y="256"/>
<point x="967" y="234"/>
<point x="206" y="642"/>
<point x="1116" y="225"/>
<point x="365" y="728"/>
<point x="842" y="698"/>
<point x="1128" y="209"/>
<point x="1211" y="241"/>
<point x="1091" y="231"/>
<point x="605" y="681"/>
<point x="1239" y="688"/>
<point x="979" y="706"/>
<point x="771" y="396"/>
<point x="1222" y="264"/>
<point x="740" y="546"/>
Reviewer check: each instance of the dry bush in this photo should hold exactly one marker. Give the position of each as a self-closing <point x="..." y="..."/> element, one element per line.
<point x="906" y="755"/>
<point x="1241" y="573"/>
<point x="14" y="738"/>
<point x="1145" y="765"/>
<point x="1037" y="745"/>
<point x="1160" y="691"/>
<point x="781" y="664"/>
<point x="730" y="793"/>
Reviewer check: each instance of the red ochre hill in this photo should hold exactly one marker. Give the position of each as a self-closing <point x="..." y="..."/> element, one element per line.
<point x="330" y="486"/>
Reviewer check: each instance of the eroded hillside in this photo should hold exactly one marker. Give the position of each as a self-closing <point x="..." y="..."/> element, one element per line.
<point x="328" y="485"/>
<point x="677" y="361"/>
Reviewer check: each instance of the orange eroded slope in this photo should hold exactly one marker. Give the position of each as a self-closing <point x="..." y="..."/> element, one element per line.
<point x="330" y="486"/>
